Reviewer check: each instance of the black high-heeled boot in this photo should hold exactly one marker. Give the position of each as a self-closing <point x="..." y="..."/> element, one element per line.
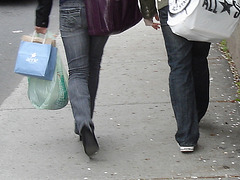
<point x="89" y="141"/>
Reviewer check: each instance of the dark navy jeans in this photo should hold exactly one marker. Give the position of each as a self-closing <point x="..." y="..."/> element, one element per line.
<point x="188" y="81"/>
<point x="84" y="54"/>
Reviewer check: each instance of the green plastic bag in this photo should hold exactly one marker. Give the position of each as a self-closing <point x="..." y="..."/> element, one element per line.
<point x="52" y="95"/>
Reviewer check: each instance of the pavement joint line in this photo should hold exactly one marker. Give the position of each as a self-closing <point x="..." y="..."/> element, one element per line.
<point x="132" y="61"/>
<point x="216" y="58"/>
<point x="224" y="101"/>
<point x="148" y="103"/>
<point x="192" y="177"/>
<point x="132" y="104"/>
<point x="101" y="105"/>
<point x="120" y="104"/>
<point x="16" y="109"/>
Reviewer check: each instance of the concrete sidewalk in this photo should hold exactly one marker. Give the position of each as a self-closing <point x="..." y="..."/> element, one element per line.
<point x="134" y="123"/>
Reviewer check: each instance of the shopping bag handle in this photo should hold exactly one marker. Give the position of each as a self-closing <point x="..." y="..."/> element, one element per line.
<point x="34" y="34"/>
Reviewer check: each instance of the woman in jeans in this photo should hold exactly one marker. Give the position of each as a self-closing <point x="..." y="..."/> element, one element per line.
<point x="84" y="54"/>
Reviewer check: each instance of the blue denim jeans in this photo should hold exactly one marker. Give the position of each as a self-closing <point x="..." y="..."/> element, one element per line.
<point x="188" y="81"/>
<point x="84" y="54"/>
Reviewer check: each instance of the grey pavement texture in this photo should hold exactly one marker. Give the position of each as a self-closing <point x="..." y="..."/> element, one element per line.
<point x="134" y="123"/>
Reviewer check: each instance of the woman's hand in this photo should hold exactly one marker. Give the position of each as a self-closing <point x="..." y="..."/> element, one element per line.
<point x="157" y="17"/>
<point x="149" y="22"/>
<point x="41" y="30"/>
<point x="156" y="25"/>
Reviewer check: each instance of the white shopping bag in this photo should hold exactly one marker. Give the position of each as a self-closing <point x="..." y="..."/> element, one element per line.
<point x="204" y="20"/>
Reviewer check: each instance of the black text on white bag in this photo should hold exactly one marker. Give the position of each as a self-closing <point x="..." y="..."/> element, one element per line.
<point x="204" y="20"/>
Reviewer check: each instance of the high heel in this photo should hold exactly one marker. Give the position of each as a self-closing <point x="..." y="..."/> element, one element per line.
<point x="89" y="141"/>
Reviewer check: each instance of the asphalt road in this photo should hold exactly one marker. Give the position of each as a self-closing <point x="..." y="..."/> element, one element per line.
<point x="17" y="18"/>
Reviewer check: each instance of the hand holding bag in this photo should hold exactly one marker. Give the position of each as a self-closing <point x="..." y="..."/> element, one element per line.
<point x="204" y="20"/>
<point x="36" y="57"/>
<point x="106" y="17"/>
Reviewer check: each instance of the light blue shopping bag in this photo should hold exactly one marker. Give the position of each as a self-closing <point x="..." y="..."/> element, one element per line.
<point x="36" y="59"/>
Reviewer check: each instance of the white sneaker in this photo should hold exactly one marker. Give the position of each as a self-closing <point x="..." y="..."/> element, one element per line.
<point x="186" y="148"/>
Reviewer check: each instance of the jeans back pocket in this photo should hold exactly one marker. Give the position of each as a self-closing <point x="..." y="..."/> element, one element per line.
<point x="72" y="19"/>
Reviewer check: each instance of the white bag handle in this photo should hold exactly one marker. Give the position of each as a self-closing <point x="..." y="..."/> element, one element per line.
<point x="34" y="34"/>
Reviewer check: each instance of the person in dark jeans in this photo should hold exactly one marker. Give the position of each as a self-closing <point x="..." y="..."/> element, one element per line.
<point x="84" y="55"/>
<point x="188" y="79"/>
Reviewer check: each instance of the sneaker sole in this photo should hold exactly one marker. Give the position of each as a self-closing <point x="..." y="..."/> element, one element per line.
<point x="186" y="149"/>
